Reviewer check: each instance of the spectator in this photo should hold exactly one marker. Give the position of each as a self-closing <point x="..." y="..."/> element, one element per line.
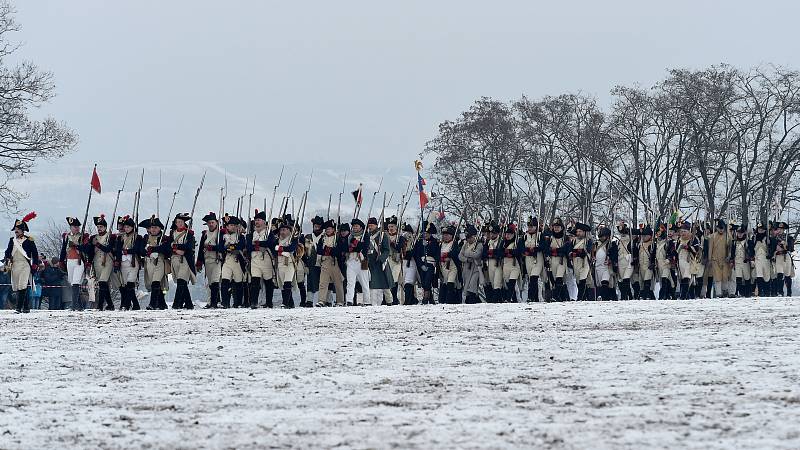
<point x="35" y="292"/>
<point x="53" y="279"/>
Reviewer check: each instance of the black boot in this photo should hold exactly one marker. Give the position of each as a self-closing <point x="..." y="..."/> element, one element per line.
<point x="237" y="294"/>
<point x="637" y="291"/>
<point x="787" y="281"/>
<point x="225" y="293"/>
<point x="286" y="295"/>
<point x="698" y="290"/>
<point x="26" y="301"/>
<point x="269" y="292"/>
<point x="685" y="289"/>
<point x="511" y="287"/>
<point x="132" y="295"/>
<point x="255" y="289"/>
<point x="213" y="302"/>
<point x="472" y="298"/>
<point x="19" y="300"/>
<point x="395" y="300"/>
<point x="77" y="304"/>
<point x="155" y="293"/>
<point x="533" y="289"/>
<point x="408" y="292"/>
<point x="304" y="303"/>
<point x="105" y="292"/>
<point x="186" y="296"/>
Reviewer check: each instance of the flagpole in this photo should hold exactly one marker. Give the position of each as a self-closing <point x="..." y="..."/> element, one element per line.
<point x="89" y="202"/>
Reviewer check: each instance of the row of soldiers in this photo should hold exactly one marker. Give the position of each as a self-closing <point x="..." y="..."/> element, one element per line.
<point x="389" y="263"/>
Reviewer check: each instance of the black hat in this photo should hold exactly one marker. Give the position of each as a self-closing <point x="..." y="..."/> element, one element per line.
<point x="329" y="224"/>
<point x="470" y="230"/>
<point x="510" y="229"/>
<point x="100" y="220"/>
<point x="230" y="220"/>
<point x="742" y="228"/>
<point x="73" y="221"/>
<point x="372" y="221"/>
<point x="286" y="224"/>
<point x="584" y="227"/>
<point x="408" y="228"/>
<point x="242" y="223"/>
<point x="494" y="228"/>
<point x="783" y="225"/>
<point x="603" y="231"/>
<point x="622" y="227"/>
<point x="287" y="218"/>
<point x="127" y="220"/>
<point x="357" y="221"/>
<point x="646" y="231"/>
<point x="429" y="227"/>
<point x="183" y="216"/>
<point x="533" y="222"/>
<point x="391" y="220"/>
<point x="23" y="224"/>
<point x="685" y="225"/>
<point x="451" y="230"/>
<point x="344" y="227"/>
<point x="276" y="221"/>
<point x="760" y="225"/>
<point x="721" y="224"/>
<point x="260" y="215"/>
<point x="557" y="221"/>
<point x="317" y="220"/>
<point x="153" y="221"/>
<point x="485" y="228"/>
<point x="209" y="217"/>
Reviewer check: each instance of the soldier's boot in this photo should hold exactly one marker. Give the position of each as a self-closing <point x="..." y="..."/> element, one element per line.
<point x="625" y="289"/>
<point x="512" y="290"/>
<point x="105" y="288"/>
<point x="186" y="296"/>
<point x="246" y="293"/>
<point x="698" y="290"/>
<point x="19" y="301"/>
<point x="582" y="291"/>
<point x="452" y="294"/>
<point x="286" y="295"/>
<point x="76" y="297"/>
<point x="787" y="281"/>
<point x="636" y="290"/>
<point x="124" y="298"/>
<point x="533" y="289"/>
<point x="395" y="300"/>
<point x="685" y="289"/>
<point x="663" y="293"/>
<point x="269" y="292"/>
<point x="26" y="301"/>
<point x="225" y="293"/>
<point x="255" y="290"/>
<point x="408" y="294"/>
<point x="443" y="298"/>
<point x="238" y="294"/>
<point x="740" y="287"/>
<point x="472" y="298"/>
<point x="213" y="302"/>
<point x="709" y="287"/>
<point x="777" y="286"/>
<point x="132" y="295"/>
<point x="155" y="293"/>
<point x="304" y="303"/>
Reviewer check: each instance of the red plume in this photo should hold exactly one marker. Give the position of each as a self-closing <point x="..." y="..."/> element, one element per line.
<point x="256" y="210"/>
<point x="30" y="216"/>
<point x="102" y="216"/>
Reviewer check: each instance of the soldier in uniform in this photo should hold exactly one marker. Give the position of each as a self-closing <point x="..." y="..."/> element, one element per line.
<point x="101" y="253"/>
<point x="233" y="244"/>
<point x="606" y="264"/>
<point x="356" y="262"/>
<point x="241" y="296"/>
<point x="645" y="252"/>
<point x="127" y="261"/>
<point x="700" y="260"/>
<point x="155" y="253"/>
<point x="622" y="259"/>
<point x="688" y="247"/>
<point x="73" y="244"/>
<point x="556" y="247"/>
<point x="763" y="251"/>
<point x="471" y="257"/>
<point x="210" y="258"/>
<point x="493" y="255"/>
<point x="486" y="280"/>
<point x="397" y="244"/>
<point x="182" y="242"/>
<point x="580" y="255"/>
<point x="534" y="260"/>
<point x="665" y="261"/>
<point x="380" y="277"/>
<point x="260" y="244"/>
<point x="314" y="269"/>
<point x="330" y="251"/>
<point x="426" y="256"/>
<point x="23" y="258"/>
<point x="741" y="256"/>
<point x="719" y="259"/>
<point x="410" y="273"/>
<point x="511" y="270"/>
<point x="285" y="249"/>
<point x="449" y="263"/>
<point x="782" y="260"/>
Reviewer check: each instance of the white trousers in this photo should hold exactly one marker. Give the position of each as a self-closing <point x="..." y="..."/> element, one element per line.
<point x="129" y="272"/>
<point x="354" y="273"/>
<point x="410" y="272"/>
<point x="74" y="271"/>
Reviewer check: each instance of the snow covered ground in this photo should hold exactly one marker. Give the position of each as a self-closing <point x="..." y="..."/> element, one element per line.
<point x="694" y="374"/>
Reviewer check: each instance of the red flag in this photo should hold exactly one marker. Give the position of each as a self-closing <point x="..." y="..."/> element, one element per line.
<point x="423" y="197"/>
<point x="357" y="195"/>
<point x="95" y="181"/>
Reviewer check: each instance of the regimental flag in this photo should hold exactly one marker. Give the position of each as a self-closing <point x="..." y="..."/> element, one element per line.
<point x="357" y="194"/>
<point x="95" y="183"/>
<point x="423" y="197"/>
<point x="673" y="219"/>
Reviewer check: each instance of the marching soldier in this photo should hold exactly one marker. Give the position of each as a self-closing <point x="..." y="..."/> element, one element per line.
<point x="700" y="260"/>
<point x="241" y="297"/>
<point x="719" y="261"/>
<point x="181" y="250"/>
<point x="330" y="251"/>
<point x="763" y="251"/>
<point x="23" y="258"/>
<point x="397" y="244"/>
<point x="534" y="260"/>
<point x="493" y="255"/>
<point x="410" y="273"/>
<point x="72" y="248"/>
<point x="128" y="248"/>
<point x="606" y="260"/>
<point x="313" y="262"/>
<point x="511" y="272"/>
<point x="115" y="281"/>
<point x="621" y="252"/>
<point x="580" y="255"/>
<point x="782" y="260"/>
<point x="233" y="244"/>
<point x="645" y="252"/>
<point x="666" y="255"/>
<point x="101" y="253"/>
<point x="688" y="248"/>
<point x="380" y="276"/>
<point x="155" y="253"/>
<point x="741" y="256"/>
<point x="285" y="249"/>
<point x="471" y="257"/>
<point x="426" y="256"/>
<point x="260" y="242"/>
<point x="356" y="263"/>
<point x="449" y="263"/>
<point x="556" y="247"/>
<point x="209" y="257"/>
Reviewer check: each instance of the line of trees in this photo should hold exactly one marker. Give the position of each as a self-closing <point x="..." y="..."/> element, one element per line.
<point x="713" y="143"/>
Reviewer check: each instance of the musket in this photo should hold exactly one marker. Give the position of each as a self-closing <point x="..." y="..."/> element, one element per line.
<point x="171" y="205"/>
<point x="330" y="199"/>
<point x="339" y="208"/>
<point x="285" y="203"/>
<point x="274" y="191"/>
<point x="196" y="195"/>
<point x="137" y="198"/>
<point x="240" y="200"/>
<point x="114" y="216"/>
<point x="158" y="202"/>
<point x="250" y="204"/>
<point x="372" y="202"/>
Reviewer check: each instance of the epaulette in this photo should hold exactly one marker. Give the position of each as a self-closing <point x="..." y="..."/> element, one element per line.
<point x="30" y="238"/>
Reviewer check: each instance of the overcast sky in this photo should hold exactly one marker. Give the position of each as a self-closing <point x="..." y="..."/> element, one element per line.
<point x="316" y="80"/>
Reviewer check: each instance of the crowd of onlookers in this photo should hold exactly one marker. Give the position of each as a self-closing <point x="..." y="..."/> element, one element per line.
<point x="49" y="287"/>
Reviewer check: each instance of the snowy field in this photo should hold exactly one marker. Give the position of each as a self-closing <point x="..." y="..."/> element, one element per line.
<point x="696" y="374"/>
